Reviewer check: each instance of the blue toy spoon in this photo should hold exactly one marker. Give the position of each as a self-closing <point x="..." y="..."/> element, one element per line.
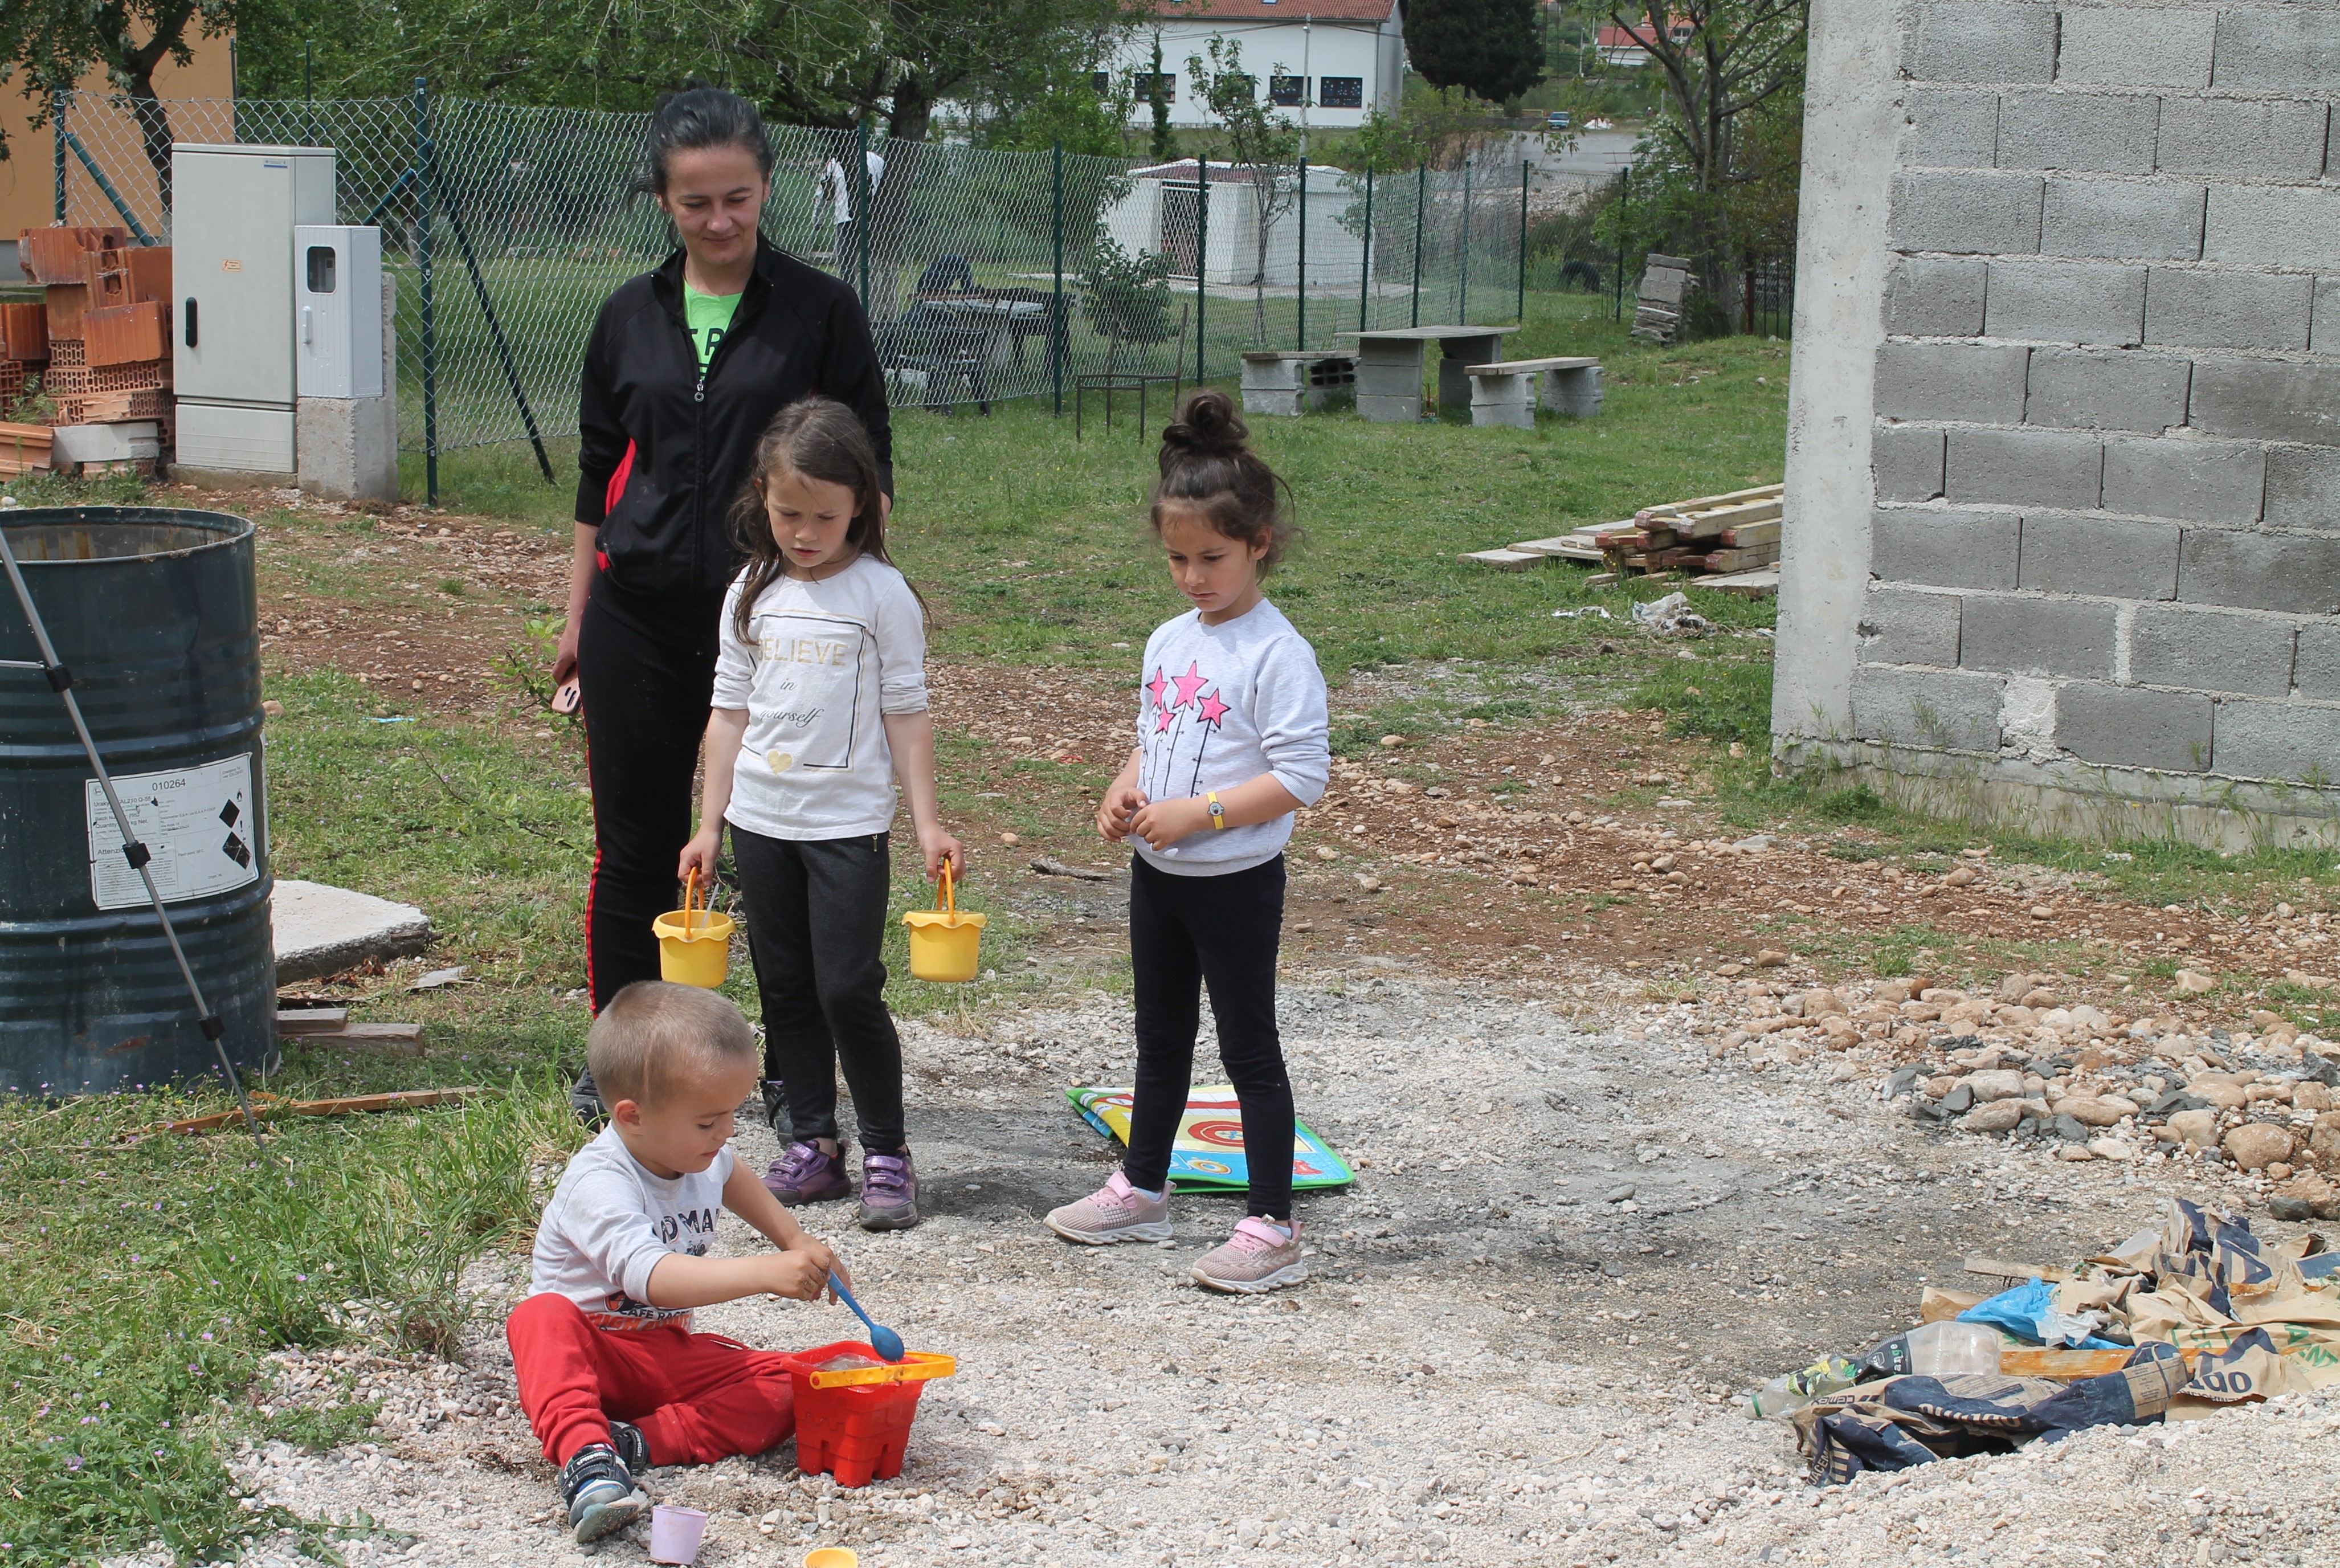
<point x="882" y="1340"/>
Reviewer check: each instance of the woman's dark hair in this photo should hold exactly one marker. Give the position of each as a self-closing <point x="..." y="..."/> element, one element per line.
<point x="820" y="439"/>
<point x="703" y="116"/>
<point x="1208" y="465"/>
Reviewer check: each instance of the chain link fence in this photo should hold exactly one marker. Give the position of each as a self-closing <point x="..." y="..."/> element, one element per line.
<point x="987" y="275"/>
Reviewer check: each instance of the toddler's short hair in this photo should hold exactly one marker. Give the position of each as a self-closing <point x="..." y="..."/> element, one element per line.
<point x="654" y="1037"/>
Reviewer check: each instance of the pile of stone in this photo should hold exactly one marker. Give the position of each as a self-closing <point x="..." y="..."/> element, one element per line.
<point x="1666" y="285"/>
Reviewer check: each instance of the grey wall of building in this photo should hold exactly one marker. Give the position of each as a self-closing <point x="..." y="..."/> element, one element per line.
<point x="2064" y="451"/>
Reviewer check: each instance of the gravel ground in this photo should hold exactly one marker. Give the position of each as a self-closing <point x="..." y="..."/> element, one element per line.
<point x="1501" y="1357"/>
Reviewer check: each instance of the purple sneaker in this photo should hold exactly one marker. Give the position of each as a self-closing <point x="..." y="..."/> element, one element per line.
<point x="889" y="1192"/>
<point x="804" y="1174"/>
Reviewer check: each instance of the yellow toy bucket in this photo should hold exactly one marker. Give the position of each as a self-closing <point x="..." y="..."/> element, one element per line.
<point x="694" y="943"/>
<point x="943" y="942"/>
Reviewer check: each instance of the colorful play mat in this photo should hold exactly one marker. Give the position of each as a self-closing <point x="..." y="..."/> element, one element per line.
<point x="1209" y="1150"/>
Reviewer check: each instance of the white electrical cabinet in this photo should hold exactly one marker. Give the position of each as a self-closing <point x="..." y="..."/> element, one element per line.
<point x="234" y="274"/>
<point x="338" y="353"/>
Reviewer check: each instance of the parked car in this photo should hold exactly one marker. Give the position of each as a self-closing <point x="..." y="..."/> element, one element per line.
<point x="1557" y="120"/>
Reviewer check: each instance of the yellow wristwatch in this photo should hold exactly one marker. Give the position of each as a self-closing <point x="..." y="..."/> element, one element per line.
<point x="1219" y="813"/>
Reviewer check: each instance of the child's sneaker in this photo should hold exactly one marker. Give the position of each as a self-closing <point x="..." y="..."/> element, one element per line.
<point x="804" y="1174"/>
<point x="1257" y="1257"/>
<point x="633" y="1448"/>
<point x="889" y="1192"/>
<point x="1114" y="1212"/>
<point x="601" y="1495"/>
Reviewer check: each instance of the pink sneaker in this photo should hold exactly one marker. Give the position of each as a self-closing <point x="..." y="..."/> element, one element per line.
<point x="1257" y="1257"/>
<point x="1114" y="1212"/>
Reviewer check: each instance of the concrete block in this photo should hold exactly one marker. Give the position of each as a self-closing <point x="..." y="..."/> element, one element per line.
<point x="2100" y="555"/>
<point x="2228" y="309"/>
<point x="2222" y="137"/>
<point x="1951" y="709"/>
<point x="2272" y="227"/>
<point x="346" y="448"/>
<point x="2294" y="46"/>
<point x="2122" y="727"/>
<point x="2289" y="740"/>
<point x="1899" y="625"/>
<point x="2023" y="468"/>
<point x="2315" y="667"/>
<point x="2105" y="389"/>
<point x="1982" y="43"/>
<point x="2323" y="329"/>
<point x="2071" y="303"/>
<point x="1967" y="215"/>
<point x="1935" y="297"/>
<point x="2267" y="400"/>
<point x="323" y="931"/>
<point x="2103" y="133"/>
<point x="2051" y="637"/>
<point x="1907" y="462"/>
<point x="2259" y="571"/>
<point x="1945" y="549"/>
<point x="2211" y="650"/>
<point x="2196" y="480"/>
<point x="1949" y="129"/>
<point x="1982" y="383"/>
<point x="2303" y="488"/>
<point x="2164" y="46"/>
<point x="2100" y="218"/>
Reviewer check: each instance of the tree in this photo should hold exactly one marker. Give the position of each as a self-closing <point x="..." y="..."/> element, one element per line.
<point x="1729" y="138"/>
<point x="1259" y="140"/>
<point x="50" y="44"/>
<point x="1491" y="48"/>
<point x="1157" y="98"/>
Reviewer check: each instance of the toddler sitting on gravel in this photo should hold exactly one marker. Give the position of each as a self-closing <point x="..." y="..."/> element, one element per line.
<point x="611" y="1376"/>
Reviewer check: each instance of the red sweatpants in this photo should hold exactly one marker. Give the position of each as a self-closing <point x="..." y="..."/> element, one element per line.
<point x="696" y="1397"/>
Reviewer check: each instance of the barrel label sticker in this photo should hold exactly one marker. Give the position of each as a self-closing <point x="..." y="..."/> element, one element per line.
<point x="198" y="822"/>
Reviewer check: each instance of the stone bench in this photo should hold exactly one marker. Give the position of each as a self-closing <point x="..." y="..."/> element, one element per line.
<point x="1292" y="383"/>
<point x="1502" y="393"/>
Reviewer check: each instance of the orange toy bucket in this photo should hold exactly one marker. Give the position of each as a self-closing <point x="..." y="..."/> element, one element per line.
<point x="944" y="943"/>
<point x="854" y="1410"/>
<point x="694" y="943"/>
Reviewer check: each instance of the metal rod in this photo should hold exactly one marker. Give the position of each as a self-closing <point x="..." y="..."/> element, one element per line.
<point x="1300" y="331"/>
<point x="1365" y="281"/>
<point x="397" y="188"/>
<point x="1624" y="211"/>
<point x="422" y="183"/>
<point x="136" y="853"/>
<point x="1524" y="167"/>
<point x="1462" y="277"/>
<point x="1056" y="306"/>
<point x="496" y="332"/>
<point x="1421" y="210"/>
<point x="58" y="105"/>
<point x="861" y="229"/>
<point x="106" y="185"/>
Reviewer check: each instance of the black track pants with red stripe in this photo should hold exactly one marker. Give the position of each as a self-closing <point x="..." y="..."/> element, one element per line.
<point x="646" y="668"/>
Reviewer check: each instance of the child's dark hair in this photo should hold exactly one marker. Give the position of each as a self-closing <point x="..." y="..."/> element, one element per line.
<point x="1208" y="466"/>
<point x="821" y="439"/>
<point x="702" y="116"/>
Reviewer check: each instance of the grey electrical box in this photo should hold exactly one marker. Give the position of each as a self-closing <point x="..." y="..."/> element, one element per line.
<point x="338" y="350"/>
<point x="235" y="273"/>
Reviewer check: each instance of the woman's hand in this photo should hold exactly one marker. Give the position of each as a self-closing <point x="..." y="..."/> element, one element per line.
<point x="700" y="854"/>
<point x="936" y="846"/>
<point x="1121" y="803"/>
<point x="564" y="655"/>
<point x="1165" y="822"/>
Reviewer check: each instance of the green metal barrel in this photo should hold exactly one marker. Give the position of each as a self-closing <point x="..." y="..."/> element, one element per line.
<point x="154" y="611"/>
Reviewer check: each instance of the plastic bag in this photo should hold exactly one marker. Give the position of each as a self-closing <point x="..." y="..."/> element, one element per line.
<point x="2028" y="1311"/>
<point x="1670" y="616"/>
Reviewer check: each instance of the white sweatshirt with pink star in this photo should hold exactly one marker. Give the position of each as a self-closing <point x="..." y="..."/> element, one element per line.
<point x="1220" y="705"/>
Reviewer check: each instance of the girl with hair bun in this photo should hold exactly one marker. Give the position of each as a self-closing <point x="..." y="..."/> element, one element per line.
<point x="1231" y="741"/>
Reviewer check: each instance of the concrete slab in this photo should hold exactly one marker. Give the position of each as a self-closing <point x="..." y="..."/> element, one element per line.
<point x="322" y="930"/>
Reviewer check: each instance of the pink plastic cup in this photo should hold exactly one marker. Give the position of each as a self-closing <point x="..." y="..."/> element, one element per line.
<point x="675" y="1534"/>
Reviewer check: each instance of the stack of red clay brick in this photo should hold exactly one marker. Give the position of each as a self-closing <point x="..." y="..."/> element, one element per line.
<point x="93" y="360"/>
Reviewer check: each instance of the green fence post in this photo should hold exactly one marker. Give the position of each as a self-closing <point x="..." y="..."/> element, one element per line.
<point x="1462" y="277"/>
<point x="861" y="208"/>
<point x="1056" y="317"/>
<point x="424" y="176"/>
<point x="1624" y="209"/>
<point x="1365" y="270"/>
<point x="1525" y="166"/>
<point x="58" y="104"/>
<point x="1300" y="241"/>
<point x="1421" y="215"/>
<point x="1201" y="253"/>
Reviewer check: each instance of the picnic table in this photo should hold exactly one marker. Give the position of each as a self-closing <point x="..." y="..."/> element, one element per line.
<point x="1505" y="393"/>
<point x="1389" y="367"/>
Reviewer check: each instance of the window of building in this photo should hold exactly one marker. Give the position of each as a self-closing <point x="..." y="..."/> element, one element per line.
<point x="1145" y="81"/>
<point x="1340" y="91"/>
<point x="1287" y="90"/>
<point x="1102" y="82"/>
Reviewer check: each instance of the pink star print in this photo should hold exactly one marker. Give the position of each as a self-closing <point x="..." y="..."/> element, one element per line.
<point x="1161" y="719"/>
<point x="1188" y="684"/>
<point x="1157" y="686"/>
<point x="1211" y="708"/>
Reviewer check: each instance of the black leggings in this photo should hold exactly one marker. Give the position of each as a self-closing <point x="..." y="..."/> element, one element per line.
<point x="647" y="671"/>
<point x="1184" y="931"/>
<point x="816" y="920"/>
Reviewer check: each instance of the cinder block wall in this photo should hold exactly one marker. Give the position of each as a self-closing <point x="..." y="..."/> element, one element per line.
<point x="2086" y="261"/>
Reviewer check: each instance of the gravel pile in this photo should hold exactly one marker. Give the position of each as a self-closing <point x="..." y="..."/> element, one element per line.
<point x="1569" y="1251"/>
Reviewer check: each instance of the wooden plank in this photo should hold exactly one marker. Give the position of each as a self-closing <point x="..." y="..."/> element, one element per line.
<point x="1730" y="561"/>
<point x="1761" y="584"/>
<point x="1746" y="534"/>
<point x="1508" y="560"/>
<point x="2063" y="1366"/>
<point x="312" y="1020"/>
<point x="392" y="1039"/>
<point x="269" y="1108"/>
<point x="1578" y="546"/>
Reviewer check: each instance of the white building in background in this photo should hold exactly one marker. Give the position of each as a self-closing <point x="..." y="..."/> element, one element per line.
<point x="1159" y="214"/>
<point x="1324" y="62"/>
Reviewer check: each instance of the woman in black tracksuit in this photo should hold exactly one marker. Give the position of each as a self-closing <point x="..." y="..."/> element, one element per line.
<point x="686" y="367"/>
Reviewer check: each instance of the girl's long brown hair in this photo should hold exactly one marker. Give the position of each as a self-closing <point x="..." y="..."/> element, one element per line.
<point x="821" y="439"/>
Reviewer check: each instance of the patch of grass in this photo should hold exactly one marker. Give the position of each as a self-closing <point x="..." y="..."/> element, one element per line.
<point x="1858" y="803"/>
<point x="1725" y="698"/>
